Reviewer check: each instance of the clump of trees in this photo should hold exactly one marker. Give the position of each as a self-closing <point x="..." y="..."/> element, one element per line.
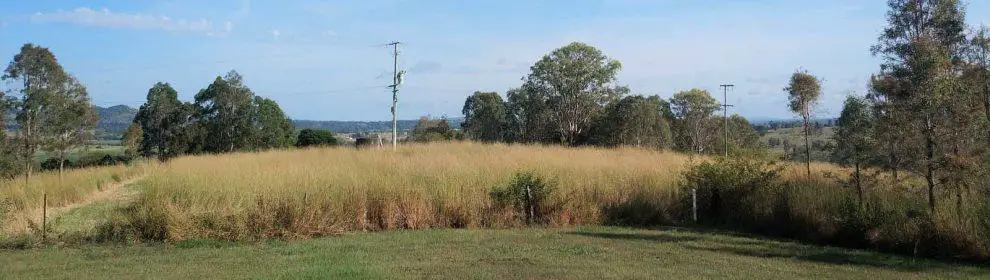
<point x="51" y="108"/>
<point x="927" y="109"/>
<point x="571" y="97"/>
<point x="226" y="116"/>
<point x="433" y="130"/>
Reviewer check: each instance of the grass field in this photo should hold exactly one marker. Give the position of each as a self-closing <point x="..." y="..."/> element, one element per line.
<point x="567" y="253"/>
<point x="74" y="155"/>
<point x="795" y="136"/>
<point x="301" y="195"/>
<point x="325" y="191"/>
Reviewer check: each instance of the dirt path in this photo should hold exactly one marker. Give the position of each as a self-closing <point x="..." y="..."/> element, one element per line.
<point x="109" y="192"/>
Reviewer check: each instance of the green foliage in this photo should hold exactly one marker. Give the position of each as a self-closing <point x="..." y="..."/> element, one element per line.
<point x="485" y="117"/>
<point x="273" y="128"/>
<point x="53" y="109"/>
<point x="161" y="120"/>
<point x="635" y="121"/>
<point x="730" y="189"/>
<point x="693" y="110"/>
<point x="528" y="117"/>
<point x="73" y="120"/>
<point x="576" y="82"/>
<point x="225" y="117"/>
<point x="430" y="130"/>
<point x="803" y="92"/>
<point x="854" y="137"/>
<point x="227" y="111"/>
<point x="315" y="137"/>
<point x="10" y="163"/>
<point x="742" y="135"/>
<point x="132" y="140"/>
<point x="526" y="193"/>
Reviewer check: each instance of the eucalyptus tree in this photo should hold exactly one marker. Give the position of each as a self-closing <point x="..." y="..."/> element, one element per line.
<point x="803" y="92"/>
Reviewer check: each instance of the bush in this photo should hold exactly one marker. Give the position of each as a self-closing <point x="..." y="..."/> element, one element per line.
<point x="53" y="164"/>
<point x="315" y="137"/>
<point x="729" y="189"/>
<point x="527" y="194"/>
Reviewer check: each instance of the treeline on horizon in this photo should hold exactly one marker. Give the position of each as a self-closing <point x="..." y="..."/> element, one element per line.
<point x="571" y="98"/>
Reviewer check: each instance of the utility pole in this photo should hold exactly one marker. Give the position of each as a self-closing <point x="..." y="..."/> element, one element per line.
<point x="396" y="81"/>
<point x="725" y="114"/>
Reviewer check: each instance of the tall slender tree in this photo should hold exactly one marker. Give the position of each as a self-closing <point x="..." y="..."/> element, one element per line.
<point x="854" y="139"/>
<point x="979" y="58"/>
<point x="40" y="77"/>
<point x="70" y="121"/>
<point x="132" y="140"/>
<point x="10" y="166"/>
<point x="693" y="110"/>
<point x="803" y="92"/>
<point x="921" y="49"/>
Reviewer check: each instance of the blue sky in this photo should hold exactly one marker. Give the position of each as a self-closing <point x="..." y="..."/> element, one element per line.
<point x="324" y="60"/>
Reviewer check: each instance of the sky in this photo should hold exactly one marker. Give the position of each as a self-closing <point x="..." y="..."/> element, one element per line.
<point x="327" y="60"/>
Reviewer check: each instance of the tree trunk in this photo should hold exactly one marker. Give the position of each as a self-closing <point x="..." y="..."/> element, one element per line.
<point x="986" y="97"/>
<point x="61" y="165"/>
<point x="859" y="186"/>
<point x="807" y="146"/>
<point x="28" y="149"/>
<point x="930" y="160"/>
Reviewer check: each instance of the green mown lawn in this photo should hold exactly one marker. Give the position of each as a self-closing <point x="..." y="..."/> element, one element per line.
<point x="582" y="253"/>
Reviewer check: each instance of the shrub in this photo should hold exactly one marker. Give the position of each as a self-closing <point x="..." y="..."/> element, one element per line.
<point x="315" y="137"/>
<point x="53" y="164"/>
<point x="729" y="189"/>
<point x="526" y="193"/>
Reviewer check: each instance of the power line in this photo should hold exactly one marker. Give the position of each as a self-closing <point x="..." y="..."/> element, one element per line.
<point x="317" y="92"/>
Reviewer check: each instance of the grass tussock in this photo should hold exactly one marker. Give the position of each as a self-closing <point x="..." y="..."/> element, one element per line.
<point x="21" y="204"/>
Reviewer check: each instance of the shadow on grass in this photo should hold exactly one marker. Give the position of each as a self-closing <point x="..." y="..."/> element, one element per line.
<point x="720" y="241"/>
<point x="655" y="237"/>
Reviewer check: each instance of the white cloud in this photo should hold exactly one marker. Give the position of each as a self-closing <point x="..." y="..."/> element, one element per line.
<point x="276" y="34"/>
<point x="228" y="27"/>
<point x="329" y="34"/>
<point x="105" y="18"/>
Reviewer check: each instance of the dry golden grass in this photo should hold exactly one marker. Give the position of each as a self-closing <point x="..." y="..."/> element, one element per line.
<point x="312" y="192"/>
<point x="298" y="194"/>
<point x="21" y="205"/>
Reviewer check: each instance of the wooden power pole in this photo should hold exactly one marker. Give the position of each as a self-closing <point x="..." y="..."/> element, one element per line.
<point x="725" y="114"/>
<point x="396" y="81"/>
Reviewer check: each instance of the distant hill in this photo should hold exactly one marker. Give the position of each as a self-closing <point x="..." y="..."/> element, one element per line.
<point x="114" y="121"/>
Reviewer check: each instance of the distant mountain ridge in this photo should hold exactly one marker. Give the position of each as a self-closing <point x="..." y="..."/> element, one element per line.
<point x="114" y="120"/>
